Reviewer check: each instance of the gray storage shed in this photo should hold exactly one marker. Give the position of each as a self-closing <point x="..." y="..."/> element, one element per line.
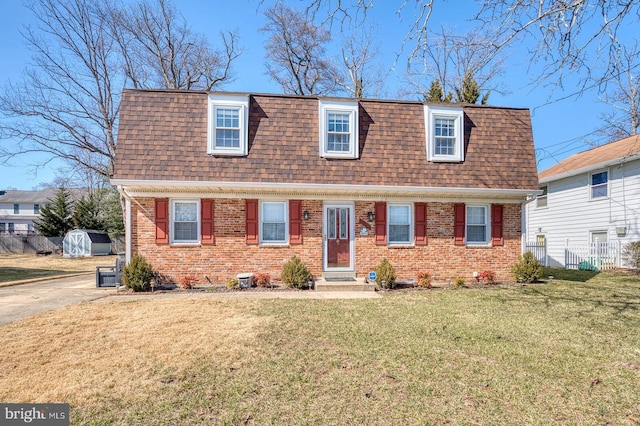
<point x="86" y="242"/>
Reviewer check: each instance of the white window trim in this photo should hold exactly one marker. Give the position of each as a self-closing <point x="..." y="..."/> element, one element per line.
<point x="599" y="231"/>
<point x="411" y="225"/>
<point x="591" y="186"/>
<point x="172" y="239"/>
<point x="286" y="223"/>
<point x="241" y="102"/>
<point x="350" y="108"/>
<point x="451" y="113"/>
<point x="545" y="197"/>
<point x="487" y="231"/>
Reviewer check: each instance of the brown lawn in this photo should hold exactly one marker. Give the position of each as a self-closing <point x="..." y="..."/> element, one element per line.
<point x="16" y="267"/>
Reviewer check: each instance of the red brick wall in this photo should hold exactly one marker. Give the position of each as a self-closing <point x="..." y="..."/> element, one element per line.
<point x="231" y="255"/>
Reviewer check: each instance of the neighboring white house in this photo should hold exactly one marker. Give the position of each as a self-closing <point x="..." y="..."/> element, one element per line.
<point x="18" y="209"/>
<point x="589" y="199"/>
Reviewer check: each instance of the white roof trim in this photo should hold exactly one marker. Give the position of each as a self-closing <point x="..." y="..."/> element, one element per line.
<point x="311" y="191"/>
<point x="591" y="167"/>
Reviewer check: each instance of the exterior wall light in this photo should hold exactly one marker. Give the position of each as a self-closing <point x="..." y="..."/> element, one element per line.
<point x="370" y="215"/>
<point x="305" y="215"/>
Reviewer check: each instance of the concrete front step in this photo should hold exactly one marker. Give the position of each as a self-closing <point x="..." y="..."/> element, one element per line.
<point x="335" y="275"/>
<point x="349" y="284"/>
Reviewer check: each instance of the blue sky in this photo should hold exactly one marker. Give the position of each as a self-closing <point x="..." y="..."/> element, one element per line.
<point x="559" y="127"/>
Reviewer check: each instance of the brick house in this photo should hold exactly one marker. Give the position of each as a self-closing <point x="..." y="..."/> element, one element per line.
<point x="222" y="183"/>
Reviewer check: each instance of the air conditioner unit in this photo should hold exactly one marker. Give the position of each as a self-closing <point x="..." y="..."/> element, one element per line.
<point x="621" y="231"/>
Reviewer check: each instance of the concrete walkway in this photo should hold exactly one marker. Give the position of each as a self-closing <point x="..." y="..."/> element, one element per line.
<point x="21" y="300"/>
<point x="24" y="299"/>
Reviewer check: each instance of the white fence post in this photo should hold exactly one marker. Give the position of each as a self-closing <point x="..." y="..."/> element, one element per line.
<point x="596" y="255"/>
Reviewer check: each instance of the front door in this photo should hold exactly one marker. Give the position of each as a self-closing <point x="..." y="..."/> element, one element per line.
<point x="338" y="236"/>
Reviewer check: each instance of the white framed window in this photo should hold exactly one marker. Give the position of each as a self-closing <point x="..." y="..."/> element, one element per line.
<point x="36" y="209"/>
<point x="3" y="227"/>
<point x="399" y="224"/>
<point x="599" y="184"/>
<point x="599" y="241"/>
<point x="477" y="225"/>
<point x="338" y="129"/>
<point x="228" y="125"/>
<point x="274" y="226"/>
<point x="541" y="200"/>
<point x="185" y="221"/>
<point x="599" y="236"/>
<point x="16" y="209"/>
<point x="444" y="128"/>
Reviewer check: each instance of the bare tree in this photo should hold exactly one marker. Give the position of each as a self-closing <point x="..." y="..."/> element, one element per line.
<point x="457" y="62"/>
<point x="295" y="53"/>
<point x="623" y="95"/>
<point x="159" y="49"/>
<point x="580" y="38"/>
<point x="67" y="104"/>
<point x="361" y="75"/>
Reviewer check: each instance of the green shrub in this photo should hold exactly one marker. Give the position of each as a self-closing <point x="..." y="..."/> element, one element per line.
<point x="631" y="254"/>
<point x="424" y="280"/>
<point x="233" y="283"/>
<point x="528" y="269"/>
<point x="458" y="282"/>
<point x="137" y="274"/>
<point x="295" y="273"/>
<point x="262" y="279"/>
<point x="385" y="274"/>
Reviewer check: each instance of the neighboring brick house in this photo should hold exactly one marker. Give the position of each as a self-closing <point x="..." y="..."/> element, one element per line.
<point x="222" y="183"/>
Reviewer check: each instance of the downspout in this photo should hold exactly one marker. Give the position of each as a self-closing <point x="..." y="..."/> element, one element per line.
<point x="523" y="226"/>
<point x="127" y="222"/>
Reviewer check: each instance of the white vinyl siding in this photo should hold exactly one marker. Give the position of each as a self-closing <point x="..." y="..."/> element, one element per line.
<point x="572" y="214"/>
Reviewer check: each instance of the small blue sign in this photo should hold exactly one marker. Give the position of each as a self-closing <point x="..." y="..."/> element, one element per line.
<point x="372" y="276"/>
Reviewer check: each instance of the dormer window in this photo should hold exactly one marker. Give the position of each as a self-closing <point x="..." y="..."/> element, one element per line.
<point x="338" y="129"/>
<point x="227" y="130"/>
<point x="444" y="133"/>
